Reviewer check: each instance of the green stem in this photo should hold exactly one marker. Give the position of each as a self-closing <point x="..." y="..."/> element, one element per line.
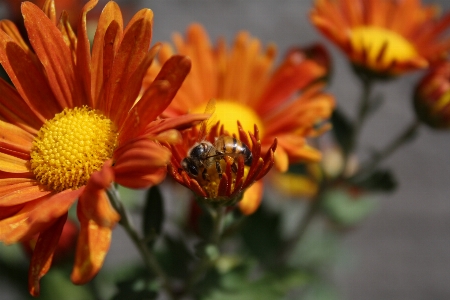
<point x="149" y="258"/>
<point x="217" y="214"/>
<point x="403" y="138"/>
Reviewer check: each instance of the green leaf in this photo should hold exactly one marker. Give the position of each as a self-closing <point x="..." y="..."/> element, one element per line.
<point x="261" y="234"/>
<point x="377" y="181"/>
<point x="56" y="285"/>
<point x="175" y="257"/>
<point x="346" y="209"/>
<point x="342" y="129"/>
<point x="153" y="214"/>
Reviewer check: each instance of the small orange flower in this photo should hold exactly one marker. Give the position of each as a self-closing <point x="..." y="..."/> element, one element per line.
<point x="246" y="89"/>
<point x="432" y="97"/>
<point x="76" y="121"/>
<point x="226" y="179"/>
<point x="385" y="37"/>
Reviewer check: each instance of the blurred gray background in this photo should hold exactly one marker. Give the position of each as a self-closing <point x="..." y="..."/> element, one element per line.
<point x="403" y="250"/>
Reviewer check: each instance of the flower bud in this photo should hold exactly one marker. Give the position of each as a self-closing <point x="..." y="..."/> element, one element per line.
<point x="432" y="97"/>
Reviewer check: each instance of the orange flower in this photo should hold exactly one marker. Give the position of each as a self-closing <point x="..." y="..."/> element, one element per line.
<point x="236" y="174"/>
<point x="246" y="89"/>
<point x="432" y="97"/>
<point x="74" y="124"/>
<point x="385" y="37"/>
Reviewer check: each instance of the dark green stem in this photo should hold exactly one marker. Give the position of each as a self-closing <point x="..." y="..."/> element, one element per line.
<point x="217" y="214"/>
<point x="403" y="138"/>
<point x="149" y="258"/>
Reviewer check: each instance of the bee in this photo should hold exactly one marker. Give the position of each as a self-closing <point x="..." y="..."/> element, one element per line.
<point x="204" y="159"/>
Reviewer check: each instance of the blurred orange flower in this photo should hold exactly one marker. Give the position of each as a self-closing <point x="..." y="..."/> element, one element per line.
<point x="72" y="126"/>
<point x="385" y="37"/>
<point x="432" y="97"/>
<point x="286" y="103"/>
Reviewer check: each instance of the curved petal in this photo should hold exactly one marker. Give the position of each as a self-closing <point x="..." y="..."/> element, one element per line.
<point x="94" y="204"/>
<point x="132" y="51"/>
<point x="97" y="218"/>
<point x="83" y="57"/>
<point x="28" y="78"/>
<point x="252" y="198"/>
<point x="104" y="47"/>
<point x="21" y="194"/>
<point x="15" y="138"/>
<point x="55" y="56"/>
<point x="12" y="164"/>
<point x="146" y="179"/>
<point x="41" y="259"/>
<point x="92" y="246"/>
<point x="14" y="110"/>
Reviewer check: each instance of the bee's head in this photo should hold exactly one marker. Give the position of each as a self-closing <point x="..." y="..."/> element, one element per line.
<point x="189" y="165"/>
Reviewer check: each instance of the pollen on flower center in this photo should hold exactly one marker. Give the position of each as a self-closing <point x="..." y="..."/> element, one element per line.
<point x="374" y="39"/>
<point x="71" y="146"/>
<point x="229" y="112"/>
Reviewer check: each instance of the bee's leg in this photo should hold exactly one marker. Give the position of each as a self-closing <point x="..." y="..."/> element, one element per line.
<point x="219" y="169"/>
<point x="205" y="175"/>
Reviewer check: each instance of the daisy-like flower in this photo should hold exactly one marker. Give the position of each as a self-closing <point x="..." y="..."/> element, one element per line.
<point x="384" y="37"/>
<point x="432" y="97"/>
<point x="74" y="123"/>
<point x="247" y="89"/>
<point x="222" y="178"/>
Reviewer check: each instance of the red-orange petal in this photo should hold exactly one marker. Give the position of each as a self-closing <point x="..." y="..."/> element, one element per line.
<point x="15" y="138"/>
<point x="12" y="164"/>
<point x="55" y="56"/>
<point x="252" y="198"/>
<point x="41" y="259"/>
<point x="92" y="246"/>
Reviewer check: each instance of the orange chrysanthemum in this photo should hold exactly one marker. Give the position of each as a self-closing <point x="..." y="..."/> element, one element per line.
<point x="246" y="89"/>
<point x="385" y="37"/>
<point x="73" y="125"/>
<point x="235" y="174"/>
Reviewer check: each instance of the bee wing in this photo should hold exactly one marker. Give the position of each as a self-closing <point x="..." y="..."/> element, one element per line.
<point x="210" y="109"/>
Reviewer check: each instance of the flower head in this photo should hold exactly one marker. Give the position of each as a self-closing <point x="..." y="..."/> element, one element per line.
<point x="432" y="97"/>
<point x="76" y="121"/>
<point x="221" y="177"/>
<point x="286" y="103"/>
<point x="384" y="37"/>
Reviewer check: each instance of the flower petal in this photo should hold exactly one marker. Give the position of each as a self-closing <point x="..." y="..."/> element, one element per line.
<point x="15" y="138"/>
<point x="104" y="47"/>
<point x="28" y="78"/>
<point x="12" y="164"/>
<point x="132" y="51"/>
<point x="21" y="194"/>
<point x="55" y="56"/>
<point x="43" y="254"/>
<point x="252" y="198"/>
<point x="92" y="245"/>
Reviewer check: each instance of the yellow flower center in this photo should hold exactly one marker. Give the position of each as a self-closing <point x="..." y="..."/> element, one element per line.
<point x="229" y="112"/>
<point x="71" y="146"/>
<point x="374" y="39"/>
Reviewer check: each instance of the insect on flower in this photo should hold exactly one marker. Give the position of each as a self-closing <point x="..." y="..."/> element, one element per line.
<point x="206" y="160"/>
<point x="216" y="166"/>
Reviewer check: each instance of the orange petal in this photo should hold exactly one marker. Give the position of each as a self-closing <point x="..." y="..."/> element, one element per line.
<point x="49" y="45"/>
<point x="49" y="9"/>
<point x="104" y="44"/>
<point x="179" y="123"/>
<point x="43" y="254"/>
<point x="28" y="78"/>
<point x="14" y="110"/>
<point x="12" y="164"/>
<point x="292" y="76"/>
<point x="252" y="198"/>
<point x="14" y="138"/>
<point x="21" y="194"/>
<point x="94" y="203"/>
<point x="132" y="51"/>
<point x="134" y="180"/>
<point x="281" y="160"/>
<point x="92" y="246"/>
